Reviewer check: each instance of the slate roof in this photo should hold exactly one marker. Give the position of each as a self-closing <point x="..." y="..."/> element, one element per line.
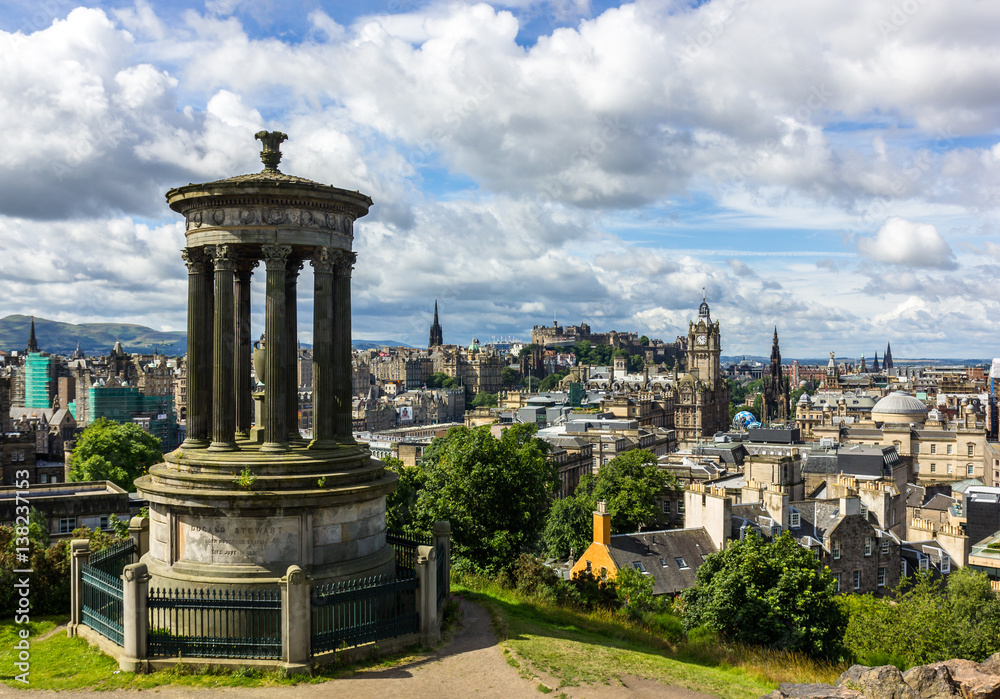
<point x="657" y="553"/>
<point x="939" y="502"/>
<point x="914" y="495"/>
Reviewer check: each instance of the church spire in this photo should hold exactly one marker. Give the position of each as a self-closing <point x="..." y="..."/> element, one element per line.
<point x="32" y="342"/>
<point x="887" y="358"/>
<point x="436" y="336"/>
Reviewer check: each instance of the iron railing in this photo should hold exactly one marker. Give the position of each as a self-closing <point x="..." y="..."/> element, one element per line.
<point x="405" y="546"/>
<point x="352" y="612"/>
<point x="113" y="559"/>
<point x="103" y="608"/>
<point x="443" y="581"/>
<point x="215" y="623"/>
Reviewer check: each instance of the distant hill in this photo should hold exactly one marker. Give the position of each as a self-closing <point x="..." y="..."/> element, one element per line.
<point x="94" y="338"/>
<point x="98" y="338"/>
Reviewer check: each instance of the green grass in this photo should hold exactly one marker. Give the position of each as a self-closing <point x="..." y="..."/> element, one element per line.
<point x="71" y="663"/>
<point x="574" y="647"/>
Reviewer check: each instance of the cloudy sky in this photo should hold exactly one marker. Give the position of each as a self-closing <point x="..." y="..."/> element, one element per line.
<point x="831" y="167"/>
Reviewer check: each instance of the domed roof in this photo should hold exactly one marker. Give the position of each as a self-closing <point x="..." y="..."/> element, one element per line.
<point x="899" y="403"/>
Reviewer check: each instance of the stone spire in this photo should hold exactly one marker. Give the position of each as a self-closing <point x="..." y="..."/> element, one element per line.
<point x="437" y="337"/>
<point x="887" y="358"/>
<point x="32" y="342"/>
<point x="776" y="387"/>
<point x="875" y="367"/>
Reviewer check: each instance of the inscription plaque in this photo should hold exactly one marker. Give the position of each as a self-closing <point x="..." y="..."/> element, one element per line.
<point x="238" y="540"/>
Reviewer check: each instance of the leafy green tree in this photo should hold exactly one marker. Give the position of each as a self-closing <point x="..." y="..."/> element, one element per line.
<point x="526" y="351"/>
<point x="531" y="383"/>
<point x="635" y="591"/>
<point x="484" y="400"/>
<point x="644" y="340"/>
<point x="495" y="492"/>
<point x="401" y="503"/>
<point x="509" y="376"/>
<point x="116" y="452"/>
<point x="925" y="621"/>
<point x="767" y="593"/>
<point x="629" y="484"/>
<point x="568" y="527"/>
<point x="437" y="379"/>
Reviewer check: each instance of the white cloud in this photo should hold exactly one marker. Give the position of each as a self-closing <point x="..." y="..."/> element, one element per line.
<point x="908" y="244"/>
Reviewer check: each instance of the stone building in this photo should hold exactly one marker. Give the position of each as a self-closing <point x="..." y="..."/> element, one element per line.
<point x="702" y="406"/>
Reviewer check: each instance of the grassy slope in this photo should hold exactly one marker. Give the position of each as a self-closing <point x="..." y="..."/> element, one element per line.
<point x="567" y="648"/>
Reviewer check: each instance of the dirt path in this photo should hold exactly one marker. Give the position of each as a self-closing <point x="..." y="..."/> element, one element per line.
<point x="472" y="664"/>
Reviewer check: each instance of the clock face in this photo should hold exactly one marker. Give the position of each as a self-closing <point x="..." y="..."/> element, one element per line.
<point x="701" y="339"/>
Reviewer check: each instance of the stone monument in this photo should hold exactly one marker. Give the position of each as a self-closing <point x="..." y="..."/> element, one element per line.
<point x="238" y="503"/>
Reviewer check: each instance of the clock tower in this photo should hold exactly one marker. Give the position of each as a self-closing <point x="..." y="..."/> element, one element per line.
<point x="702" y="394"/>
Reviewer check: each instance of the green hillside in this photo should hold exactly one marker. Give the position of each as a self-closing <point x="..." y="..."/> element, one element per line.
<point x="94" y="338"/>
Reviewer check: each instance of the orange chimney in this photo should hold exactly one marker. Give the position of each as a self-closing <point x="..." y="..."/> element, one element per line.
<point x="602" y="524"/>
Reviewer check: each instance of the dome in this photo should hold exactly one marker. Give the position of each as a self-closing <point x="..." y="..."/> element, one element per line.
<point x="899" y="407"/>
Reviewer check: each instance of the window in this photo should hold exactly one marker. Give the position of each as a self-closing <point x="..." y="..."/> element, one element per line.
<point x="836" y="550"/>
<point x="104" y="522"/>
<point x="857" y="580"/>
<point x="639" y="566"/>
<point x="590" y="568"/>
<point x="934" y="449"/>
<point x="949" y="468"/>
<point x="971" y="469"/>
<point x="663" y="563"/>
<point x="881" y="577"/>
<point x="972" y="450"/>
<point x="680" y="563"/>
<point x="776" y="531"/>
<point x="885" y="546"/>
<point x="945" y="563"/>
<point x="666" y="507"/>
<point x="816" y="554"/>
<point x="836" y="576"/>
<point x="864" y="510"/>
<point x="680" y="507"/>
<point x="67" y="525"/>
<point x="868" y="546"/>
<point x="933" y="468"/>
<point x="948" y="448"/>
<point x="794" y="520"/>
<point x="924" y="563"/>
<point x="916" y="448"/>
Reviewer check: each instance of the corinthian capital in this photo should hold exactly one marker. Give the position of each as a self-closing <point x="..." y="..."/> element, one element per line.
<point x="323" y="260"/>
<point x="275" y="256"/>
<point x="344" y="262"/>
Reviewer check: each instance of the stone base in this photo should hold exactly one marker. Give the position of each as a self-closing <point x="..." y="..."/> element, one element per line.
<point x="235" y="520"/>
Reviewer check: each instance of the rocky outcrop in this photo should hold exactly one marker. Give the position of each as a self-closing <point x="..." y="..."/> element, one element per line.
<point x="961" y="679"/>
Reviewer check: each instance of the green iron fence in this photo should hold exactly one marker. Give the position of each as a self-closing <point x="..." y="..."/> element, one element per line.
<point x="103" y="608"/>
<point x="215" y="623"/>
<point x="353" y="612"/>
<point x="443" y="581"/>
<point x="405" y="546"/>
<point x="114" y="558"/>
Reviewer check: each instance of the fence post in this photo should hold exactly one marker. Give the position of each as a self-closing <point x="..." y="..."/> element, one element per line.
<point x="442" y="542"/>
<point x="135" y="617"/>
<point x="79" y="557"/>
<point x="296" y="621"/>
<point x="138" y="529"/>
<point x="430" y="632"/>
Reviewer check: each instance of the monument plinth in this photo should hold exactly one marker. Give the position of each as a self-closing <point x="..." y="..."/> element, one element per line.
<point x="242" y="499"/>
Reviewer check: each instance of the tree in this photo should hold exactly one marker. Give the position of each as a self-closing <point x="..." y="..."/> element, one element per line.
<point x="531" y="383"/>
<point x="644" y="340"/>
<point x="568" y="527"/>
<point x="116" y="452"/>
<point x="635" y="590"/>
<point x="767" y="593"/>
<point x="437" y="379"/>
<point x="509" y="376"/>
<point x="401" y="503"/>
<point x="629" y="484"/>
<point x="551" y="382"/>
<point x="484" y="400"/>
<point x="495" y="492"/>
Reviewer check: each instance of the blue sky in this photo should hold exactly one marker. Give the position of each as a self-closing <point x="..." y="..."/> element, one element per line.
<point x="830" y="167"/>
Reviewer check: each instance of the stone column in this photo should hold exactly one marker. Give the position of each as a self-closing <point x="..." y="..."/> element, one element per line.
<point x="442" y="544"/>
<point x="292" y="347"/>
<point x="224" y="347"/>
<point x="296" y="627"/>
<point x="430" y="632"/>
<point x="275" y="364"/>
<point x="244" y="384"/>
<point x="138" y="530"/>
<point x="342" y="355"/>
<point x="79" y="557"/>
<point x="135" y="619"/>
<point x="323" y="350"/>
<point x="199" y="349"/>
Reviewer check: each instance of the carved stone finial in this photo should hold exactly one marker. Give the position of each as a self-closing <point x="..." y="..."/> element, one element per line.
<point x="270" y="155"/>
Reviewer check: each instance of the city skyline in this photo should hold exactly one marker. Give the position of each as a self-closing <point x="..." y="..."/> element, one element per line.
<point x="828" y="168"/>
